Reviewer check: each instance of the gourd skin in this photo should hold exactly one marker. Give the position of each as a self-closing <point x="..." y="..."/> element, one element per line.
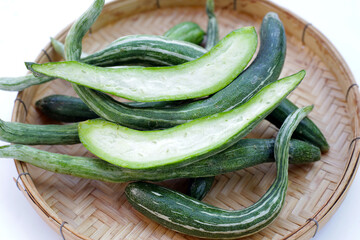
<point x="188" y="215"/>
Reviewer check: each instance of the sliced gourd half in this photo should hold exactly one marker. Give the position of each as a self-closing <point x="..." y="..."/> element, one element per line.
<point x="184" y="143"/>
<point x="200" y="77"/>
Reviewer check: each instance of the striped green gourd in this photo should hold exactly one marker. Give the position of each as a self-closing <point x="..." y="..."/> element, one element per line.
<point x="186" y="31"/>
<point x="188" y="215"/>
<point x="116" y="52"/>
<point x="73" y="41"/>
<point x="32" y="134"/>
<point x="64" y="108"/>
<point x="22" y="82"/>
<point x="307" y="129"/>
<point x="245" y="153"/>
<point x="145" y="50"/>
<point x="212" y="33"/>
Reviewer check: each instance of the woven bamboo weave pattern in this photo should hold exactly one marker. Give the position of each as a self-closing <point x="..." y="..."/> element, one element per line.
<point x="99" y="210"/>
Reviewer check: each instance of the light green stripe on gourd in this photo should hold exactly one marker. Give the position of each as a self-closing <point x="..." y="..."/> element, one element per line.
<point x="245" y="153"/>
<point x="187" y="215"/>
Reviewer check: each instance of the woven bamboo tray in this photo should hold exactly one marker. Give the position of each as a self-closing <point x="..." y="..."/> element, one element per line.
<point x="88" y="209"/>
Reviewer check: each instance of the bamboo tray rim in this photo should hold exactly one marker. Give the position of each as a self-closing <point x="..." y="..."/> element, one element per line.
<point x="308" y="229"/>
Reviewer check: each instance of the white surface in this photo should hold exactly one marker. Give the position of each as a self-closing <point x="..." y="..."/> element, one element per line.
<point x="25" y="29"/>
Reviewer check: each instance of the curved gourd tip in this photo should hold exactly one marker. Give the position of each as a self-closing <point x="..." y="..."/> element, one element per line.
<point x="271" y="15"/>
<point x="5" y="148"/>
<point x="309" y="108"/>
<point x="325" y="148"/>
<point x="210" y="6"/>
<point x="301" y="74"/>
<point x="39" y="103"/>
<point x="250" y="29"/>
<point x="29" y="66"/>
<point x="2" y="150"/>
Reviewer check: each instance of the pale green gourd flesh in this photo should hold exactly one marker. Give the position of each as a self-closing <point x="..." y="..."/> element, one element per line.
<point x="196" y="78"/>
<point x="184" y="143"/>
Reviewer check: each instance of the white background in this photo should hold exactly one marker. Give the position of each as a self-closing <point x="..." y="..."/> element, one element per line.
<point x="25" y="29"/>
